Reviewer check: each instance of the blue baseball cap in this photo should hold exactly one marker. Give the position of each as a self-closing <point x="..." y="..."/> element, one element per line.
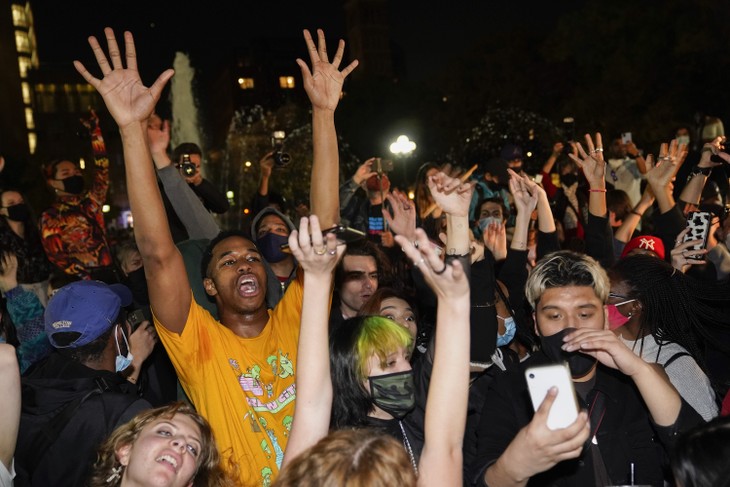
<point x="88" y="308"/>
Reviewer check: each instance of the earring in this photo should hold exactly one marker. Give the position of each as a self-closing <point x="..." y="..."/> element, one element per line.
<point x="116" y="474"/>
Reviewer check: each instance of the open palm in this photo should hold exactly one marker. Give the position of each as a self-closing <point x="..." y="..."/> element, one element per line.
<point x="323" y="83"/>
<point x="127" y="99"/>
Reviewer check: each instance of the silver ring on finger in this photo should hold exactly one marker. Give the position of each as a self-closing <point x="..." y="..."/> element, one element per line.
<point x="332" y="251"/>
<point x="420" y="262"/>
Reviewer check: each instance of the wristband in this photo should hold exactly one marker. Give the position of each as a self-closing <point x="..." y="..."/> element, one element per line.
<point x="596" y="190"/>
<point x="637" y="213"/>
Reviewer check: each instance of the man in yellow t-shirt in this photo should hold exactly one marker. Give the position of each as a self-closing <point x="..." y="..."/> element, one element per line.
<point x="239" y="371"/>
<point x="243" y="381"/>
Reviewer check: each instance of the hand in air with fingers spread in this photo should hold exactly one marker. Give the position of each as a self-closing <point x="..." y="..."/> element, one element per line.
<point x="127" y="99"/>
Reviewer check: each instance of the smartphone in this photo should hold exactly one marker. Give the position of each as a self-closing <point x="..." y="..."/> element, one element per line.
<point x="383" y="165"/>
<point x="564" y="410"/>
<point x="569" y="130"/>
<point x="698" y="223"/>
<point x="625" y="138"/>
<point x="344" y="235"/>
<point x="135" y="318"/>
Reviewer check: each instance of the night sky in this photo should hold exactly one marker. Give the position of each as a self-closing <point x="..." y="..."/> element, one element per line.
<point x="430" y="38"/>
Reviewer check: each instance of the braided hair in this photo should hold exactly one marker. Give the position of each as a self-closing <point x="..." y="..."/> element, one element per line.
<point x="675" y="307"/>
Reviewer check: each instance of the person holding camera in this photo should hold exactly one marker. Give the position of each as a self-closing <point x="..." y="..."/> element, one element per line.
<point x="186" y="158"/>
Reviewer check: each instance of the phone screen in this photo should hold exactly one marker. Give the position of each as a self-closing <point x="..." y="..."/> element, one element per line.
<point x="626" y="137"/>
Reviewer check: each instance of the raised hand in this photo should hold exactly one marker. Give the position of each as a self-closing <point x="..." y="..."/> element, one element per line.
<point x="364" y="172"/>
<point x="495" y="239"/>
<point x="403" y="219"/>
<point x="671" y="157"/>
<point x="714" y="148"/>
<point x="451" y="194"/>
<point x="158" y="134"/>
<point x="524" y="193"/>
<point x="591" y="162"/>
<point x="683" y="255"/>
<point x="446" y="280"/>
<point x="127" y="99"/>
<point x="8" y="271"/>
<point x="323" y="83"/>
<point x="316" y="253"/>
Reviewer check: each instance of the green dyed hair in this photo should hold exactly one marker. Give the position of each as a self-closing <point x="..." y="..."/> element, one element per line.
<point x="381" y="336"/>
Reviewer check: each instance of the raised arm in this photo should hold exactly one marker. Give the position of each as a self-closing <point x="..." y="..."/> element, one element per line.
<point x="525" y="201"/>
<point x="441" y="459"/>
<point x="453" y="196"/>
<point x="692" y="191"/>
<point x="323" y="84"/>
<point x="630" y="221"/>
<point x="314" y="384"/>
<point x="131" y="104"/>
<point x="197" y="221"/>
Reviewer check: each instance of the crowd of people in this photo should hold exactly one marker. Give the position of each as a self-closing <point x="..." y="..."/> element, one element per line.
<point x="366" y="338"/>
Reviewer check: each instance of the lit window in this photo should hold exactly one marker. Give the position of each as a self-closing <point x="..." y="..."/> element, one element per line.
<point x="29" y="122"/>
<point x="22" y="42"/>
<point x="286" y="82"/>
<point x="32" y="140"/>
<point x="24" y="66"/>
<point x="25" y="87"/>
<point x="19" y="18"/>
<point x="245" y="83"/>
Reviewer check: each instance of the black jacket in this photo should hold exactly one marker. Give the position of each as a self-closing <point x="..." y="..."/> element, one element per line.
<point x="99" y="403"/>
<point x="626" y="435"/>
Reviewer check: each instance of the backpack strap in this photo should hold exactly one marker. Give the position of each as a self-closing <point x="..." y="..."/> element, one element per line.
<point x="51" y="430"/>
<point x="675" y="357"/>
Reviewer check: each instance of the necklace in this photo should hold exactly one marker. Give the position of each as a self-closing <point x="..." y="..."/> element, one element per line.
<point x="407" y="444"/>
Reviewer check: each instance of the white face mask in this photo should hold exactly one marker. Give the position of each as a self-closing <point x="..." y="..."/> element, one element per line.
<point x="122" y="362"/>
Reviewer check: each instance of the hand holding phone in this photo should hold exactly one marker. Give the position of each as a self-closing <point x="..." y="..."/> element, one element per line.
<point x="698" y="224"/>
<point x="344" y="235"/>
<point x="540" y="379"/>
<point x="626" y="138"/>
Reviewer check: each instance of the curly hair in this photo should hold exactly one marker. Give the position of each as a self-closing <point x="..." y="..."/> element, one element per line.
<point x="351" y="457"/>
<point x="209" y="472"/>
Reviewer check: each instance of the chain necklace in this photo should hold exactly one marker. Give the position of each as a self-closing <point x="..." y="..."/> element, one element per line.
<point x="407" y="444"/>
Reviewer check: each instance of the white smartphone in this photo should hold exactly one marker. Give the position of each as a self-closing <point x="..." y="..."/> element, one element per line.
<point x="625" y="138"/>
<point x="564" y="410"/>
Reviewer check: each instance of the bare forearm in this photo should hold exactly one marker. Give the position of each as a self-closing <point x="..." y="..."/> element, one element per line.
<point x="457" y="235"/>
<point x="522" y="227"/>
<point x="692" y="191"/>
<point x="545" y="220"/>
<point x="325" y="168"/>
<point x="500" y="475"/>
<point x="660" y="396"/>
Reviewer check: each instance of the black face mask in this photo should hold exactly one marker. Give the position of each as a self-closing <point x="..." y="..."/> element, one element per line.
<point x="137" y="283"/>
<point x="73" y="184"/>
<point x="18" y="213"/>
<point x="580" y="364"/>
<point x="568" y="179"/>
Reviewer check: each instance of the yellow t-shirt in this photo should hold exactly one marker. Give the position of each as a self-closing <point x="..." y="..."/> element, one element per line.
<point x="243" y="386"/>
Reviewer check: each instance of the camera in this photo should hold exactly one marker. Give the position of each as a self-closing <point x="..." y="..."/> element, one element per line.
<point x="281" y="158"/>
<point x="188" y="168"/>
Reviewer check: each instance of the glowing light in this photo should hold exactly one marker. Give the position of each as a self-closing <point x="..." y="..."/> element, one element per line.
<point x="402" y="145"/>
<point x="529" y="154"/>
<point x="247" y="163"/>
<point x="82" y="163"/>
<point x="106" y="209"/>
<point x="229" y="194"/>
<point x="246" y="211"/>
<point x="411" y="195"/>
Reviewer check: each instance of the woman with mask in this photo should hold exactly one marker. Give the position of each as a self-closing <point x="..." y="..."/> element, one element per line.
<point x="668" y="318"/>
<point x="19" y="235"/>
<point x="372" y="386"/>
<point x="168" y="446"/>
<point x="72" y="229"/>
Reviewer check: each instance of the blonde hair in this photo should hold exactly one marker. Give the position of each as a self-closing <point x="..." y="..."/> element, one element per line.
<point x="566" y="268"/>
<point x="351" y="458"/>
<point x="208" y="473"/>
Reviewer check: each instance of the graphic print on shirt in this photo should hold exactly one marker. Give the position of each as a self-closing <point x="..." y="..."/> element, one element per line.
<point x="274" y="441"/>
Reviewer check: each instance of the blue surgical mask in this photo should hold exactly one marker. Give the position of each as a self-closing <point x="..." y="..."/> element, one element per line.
<point x="123" y="362"/>
<point x="484" y="222"/>
<point x="509" y="331"/>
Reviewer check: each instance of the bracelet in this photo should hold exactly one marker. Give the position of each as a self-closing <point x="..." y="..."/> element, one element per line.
<point x="637" y="213"/>
<point x="596" y="190"/>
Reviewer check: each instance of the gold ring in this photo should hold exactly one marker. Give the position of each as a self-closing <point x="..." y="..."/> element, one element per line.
<point x="320" y="252"/>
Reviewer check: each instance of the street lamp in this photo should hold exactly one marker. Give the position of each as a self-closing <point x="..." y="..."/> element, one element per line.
<point x="402" y="146"/>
